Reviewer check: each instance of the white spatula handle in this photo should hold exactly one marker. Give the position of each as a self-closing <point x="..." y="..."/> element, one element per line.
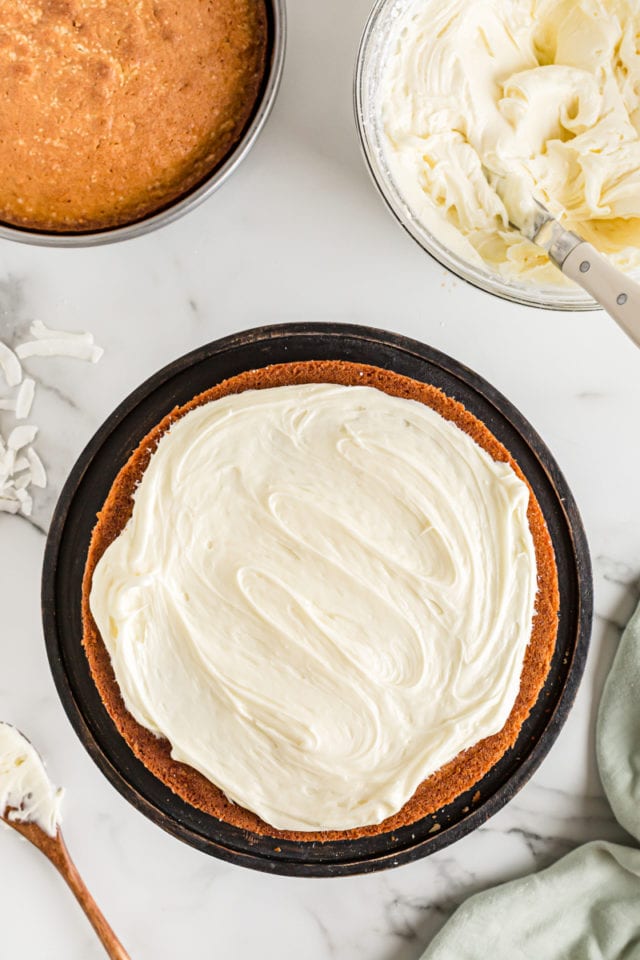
<point x="619" y="295"/>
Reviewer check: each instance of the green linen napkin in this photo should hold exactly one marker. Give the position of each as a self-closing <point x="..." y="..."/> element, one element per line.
<point x="586" y="906"/>
<point x="618" y="734"/>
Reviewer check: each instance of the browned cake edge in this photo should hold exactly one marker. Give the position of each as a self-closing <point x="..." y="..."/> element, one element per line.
<point x="450" y="781"/>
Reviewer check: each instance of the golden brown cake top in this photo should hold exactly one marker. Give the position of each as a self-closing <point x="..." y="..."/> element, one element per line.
<point x="111" y="108"/>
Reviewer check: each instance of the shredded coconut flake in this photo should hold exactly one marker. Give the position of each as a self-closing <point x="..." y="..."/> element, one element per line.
<point x="41" y="332"/>
<point x="59" y="347"/>
<point x="21" y="468"/>
<point x="10" y="365"/>
<point x="22" y="482"/>
<point x="7" y="463"/>
<point x="24" y="400"/>
<point x="38" y="473"/>
<point x="16" y="473"/>
<point x="26" y="501"/>
<point x="21" y="437"/>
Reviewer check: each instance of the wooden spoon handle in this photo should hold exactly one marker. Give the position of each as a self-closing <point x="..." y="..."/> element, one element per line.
<point x="68" y="870"/>
<point x="55" y="849"/>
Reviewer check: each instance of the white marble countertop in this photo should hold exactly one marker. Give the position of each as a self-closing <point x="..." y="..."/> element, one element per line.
<point x="298" y="234"/>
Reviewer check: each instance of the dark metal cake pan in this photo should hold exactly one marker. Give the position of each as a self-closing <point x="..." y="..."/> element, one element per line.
<point x="87" y="488"/>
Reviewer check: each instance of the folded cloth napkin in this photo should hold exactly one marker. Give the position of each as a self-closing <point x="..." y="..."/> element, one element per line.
<point x="586" y="906"/>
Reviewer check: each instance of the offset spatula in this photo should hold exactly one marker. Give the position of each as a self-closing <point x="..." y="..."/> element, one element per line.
<point x="581" y="262"/>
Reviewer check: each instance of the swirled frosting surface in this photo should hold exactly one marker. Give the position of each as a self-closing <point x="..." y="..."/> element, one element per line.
<point x="26" y="792"/>
<point x="544" y="93"/>
<point x="323" y="594"/>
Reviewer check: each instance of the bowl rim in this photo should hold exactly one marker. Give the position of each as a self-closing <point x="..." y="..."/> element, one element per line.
<point x="277" y="41"/>
<point x="525" y="295"/>
<point x="65" y="556"/>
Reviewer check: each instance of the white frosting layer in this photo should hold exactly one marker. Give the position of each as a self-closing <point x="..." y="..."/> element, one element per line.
<point x="543" y="92"/>
<point x="26" y="793"/>
<point x="323" y="595"/>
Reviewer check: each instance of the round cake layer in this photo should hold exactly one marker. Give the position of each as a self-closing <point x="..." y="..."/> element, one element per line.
<point x="403" y="767"/>
<point x="322" y="596"/>
<point x="110" y="111"/>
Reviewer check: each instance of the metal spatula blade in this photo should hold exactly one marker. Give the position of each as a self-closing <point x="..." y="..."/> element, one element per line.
<point x="577" y="259"/>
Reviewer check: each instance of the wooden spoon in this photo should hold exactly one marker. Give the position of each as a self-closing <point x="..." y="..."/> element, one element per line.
<point x="55" y="850"/>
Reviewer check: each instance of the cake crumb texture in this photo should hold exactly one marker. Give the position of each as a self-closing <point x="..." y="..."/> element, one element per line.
<point x="110" y="109"/>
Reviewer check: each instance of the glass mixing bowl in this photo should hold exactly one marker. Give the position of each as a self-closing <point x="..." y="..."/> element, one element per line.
<point x="369" y="70"/>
